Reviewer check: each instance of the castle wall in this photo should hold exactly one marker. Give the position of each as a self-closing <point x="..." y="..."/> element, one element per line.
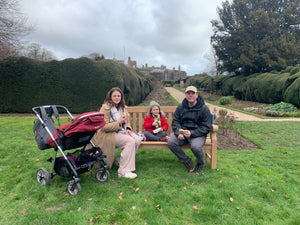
<point x="160" y="73"/>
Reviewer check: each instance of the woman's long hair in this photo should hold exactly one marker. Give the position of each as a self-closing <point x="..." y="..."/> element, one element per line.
<point x="110" y="102"/>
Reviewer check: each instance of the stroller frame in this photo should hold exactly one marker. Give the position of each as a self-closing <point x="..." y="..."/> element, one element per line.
<point x="73" y="186"/>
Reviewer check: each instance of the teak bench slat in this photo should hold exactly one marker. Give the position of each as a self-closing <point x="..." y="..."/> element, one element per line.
<point x="137" y="115"/>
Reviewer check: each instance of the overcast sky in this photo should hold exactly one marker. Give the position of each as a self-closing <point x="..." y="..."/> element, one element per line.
<point x="153" y="32"/>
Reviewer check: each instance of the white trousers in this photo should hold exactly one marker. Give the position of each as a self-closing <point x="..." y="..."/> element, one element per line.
<point x="129" y="145"/>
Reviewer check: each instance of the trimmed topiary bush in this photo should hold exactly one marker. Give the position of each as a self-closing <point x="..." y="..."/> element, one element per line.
<point x="79" y="84"/>
<point x="226" y="100"/>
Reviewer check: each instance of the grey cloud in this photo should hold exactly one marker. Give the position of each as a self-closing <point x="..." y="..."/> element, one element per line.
<point x="169" y="32"/>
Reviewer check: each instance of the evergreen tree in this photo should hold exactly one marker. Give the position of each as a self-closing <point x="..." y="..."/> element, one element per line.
<point x="257" y="35"/>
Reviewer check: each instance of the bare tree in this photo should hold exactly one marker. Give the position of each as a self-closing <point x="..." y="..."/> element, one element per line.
<point x="35" y="51"/>
<point x="12" y="28"/>
<point x="47" y="55"/>
<point x="213" y="62"/>
<point x="96" y="56"/>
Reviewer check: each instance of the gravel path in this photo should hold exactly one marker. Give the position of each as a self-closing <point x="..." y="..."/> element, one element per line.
<point x="179" y="96"/>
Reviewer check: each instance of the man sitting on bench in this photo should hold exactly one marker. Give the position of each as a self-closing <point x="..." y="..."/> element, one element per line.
<point x="191" y="123"/>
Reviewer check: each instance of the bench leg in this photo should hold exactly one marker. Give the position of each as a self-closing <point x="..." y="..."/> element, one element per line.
<point x="213" y="161"/>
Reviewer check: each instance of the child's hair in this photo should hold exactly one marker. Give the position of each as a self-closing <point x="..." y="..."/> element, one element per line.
<point x="152" y="104"/>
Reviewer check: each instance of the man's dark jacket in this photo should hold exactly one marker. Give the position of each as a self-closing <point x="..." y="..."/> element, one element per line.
<point x="196" y="119"/>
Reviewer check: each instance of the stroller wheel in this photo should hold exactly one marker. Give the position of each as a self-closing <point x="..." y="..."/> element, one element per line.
<point x="75" y="190"/>
<point x="42" y="176"/>
<point x="100" y="176"/>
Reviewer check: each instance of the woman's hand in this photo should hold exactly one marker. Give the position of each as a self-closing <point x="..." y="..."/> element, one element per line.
<point x="122" y="120"/>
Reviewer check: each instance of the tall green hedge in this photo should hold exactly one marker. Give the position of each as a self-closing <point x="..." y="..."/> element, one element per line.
<point x="292" y="93"/>
<point x="79" y="84"/>
<point x="272" y="87"/>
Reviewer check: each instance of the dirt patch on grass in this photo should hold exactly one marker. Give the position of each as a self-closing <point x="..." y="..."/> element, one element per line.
<point x="233" y="141"/>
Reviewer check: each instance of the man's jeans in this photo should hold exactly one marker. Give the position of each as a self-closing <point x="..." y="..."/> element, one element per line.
<point x="196" y="146"/>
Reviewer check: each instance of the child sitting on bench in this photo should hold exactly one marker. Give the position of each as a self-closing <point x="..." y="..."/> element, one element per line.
<point x="155" y="124"/>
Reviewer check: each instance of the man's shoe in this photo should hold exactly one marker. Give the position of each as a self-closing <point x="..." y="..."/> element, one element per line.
<point x="199" y="169"/>
<point x="128" y="175"/>
<point x="189" y="165"/>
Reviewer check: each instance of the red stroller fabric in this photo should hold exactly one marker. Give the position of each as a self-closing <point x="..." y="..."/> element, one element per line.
<point x="86" y="122"/>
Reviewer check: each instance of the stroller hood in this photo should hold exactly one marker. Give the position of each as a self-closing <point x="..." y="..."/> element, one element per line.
<point x="85" y="123"/>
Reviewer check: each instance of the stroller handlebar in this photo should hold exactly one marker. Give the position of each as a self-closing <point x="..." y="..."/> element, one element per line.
<point x="35" y="109"/>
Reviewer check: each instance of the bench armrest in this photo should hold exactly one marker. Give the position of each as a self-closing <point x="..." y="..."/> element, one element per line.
<point x="213" y="133"/>
<point x="214" y="128"/>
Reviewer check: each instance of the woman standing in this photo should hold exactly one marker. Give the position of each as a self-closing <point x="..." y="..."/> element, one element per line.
<point x="116" y="133"/>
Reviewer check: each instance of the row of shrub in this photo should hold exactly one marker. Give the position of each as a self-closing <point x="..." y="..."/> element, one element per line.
<point x="271" y="88"/>
<point x="79" y="84"/>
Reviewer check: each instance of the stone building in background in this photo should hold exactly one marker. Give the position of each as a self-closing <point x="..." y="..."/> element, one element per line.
<point x="160" y="73"/>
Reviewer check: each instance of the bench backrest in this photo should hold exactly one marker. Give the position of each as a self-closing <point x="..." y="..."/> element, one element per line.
<point x="137" y="115"/>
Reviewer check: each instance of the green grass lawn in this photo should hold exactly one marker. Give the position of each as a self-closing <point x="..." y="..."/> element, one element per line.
<point x="249" y="187"/>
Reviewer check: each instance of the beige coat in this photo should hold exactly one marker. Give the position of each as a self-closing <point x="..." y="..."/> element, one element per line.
<point x="105" y="137"/>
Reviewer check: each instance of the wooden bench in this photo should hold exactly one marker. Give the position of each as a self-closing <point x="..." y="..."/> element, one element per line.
<point x="137" y="115"/>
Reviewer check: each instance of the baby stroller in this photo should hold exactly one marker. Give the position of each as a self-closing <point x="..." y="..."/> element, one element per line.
<point x="72" y="135"/>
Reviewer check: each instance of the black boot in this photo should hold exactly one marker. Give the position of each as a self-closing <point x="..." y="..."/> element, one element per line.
<point x="189" y="165"/>
<point x="199" y="169"/>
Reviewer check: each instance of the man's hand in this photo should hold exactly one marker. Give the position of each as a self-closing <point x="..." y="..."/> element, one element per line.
<point x="180" y="137"/>
<point x="185" y="133"/>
